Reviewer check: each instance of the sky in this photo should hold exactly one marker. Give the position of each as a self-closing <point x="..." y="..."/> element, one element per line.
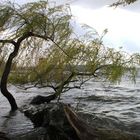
<point x="123" y="23"/>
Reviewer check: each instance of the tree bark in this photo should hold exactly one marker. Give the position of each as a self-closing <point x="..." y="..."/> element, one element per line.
<point x="83" y="130"/>
<point x="4" y="80"/>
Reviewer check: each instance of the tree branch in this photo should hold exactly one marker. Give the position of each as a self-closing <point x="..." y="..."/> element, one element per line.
<point x="7" y="41"/>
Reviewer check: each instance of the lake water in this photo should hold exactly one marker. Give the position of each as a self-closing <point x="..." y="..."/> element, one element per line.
<point x="114" y="106"/>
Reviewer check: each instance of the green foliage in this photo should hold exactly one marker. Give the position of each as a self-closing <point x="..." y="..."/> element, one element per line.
<point x="51" y="54"/>
<point x="17" y="78"/>
<point x="2" y="63"/>
<point x="37" y="17"/>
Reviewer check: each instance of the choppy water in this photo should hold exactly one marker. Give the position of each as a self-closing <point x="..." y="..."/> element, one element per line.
<point x="115" y="106"/>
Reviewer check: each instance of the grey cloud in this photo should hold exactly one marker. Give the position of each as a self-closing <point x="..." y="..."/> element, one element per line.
<point x="94" y="4"/>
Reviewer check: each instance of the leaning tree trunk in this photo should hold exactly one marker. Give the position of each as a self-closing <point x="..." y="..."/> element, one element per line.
<point x="7" y="70"/>
<point x="4" y="79"/>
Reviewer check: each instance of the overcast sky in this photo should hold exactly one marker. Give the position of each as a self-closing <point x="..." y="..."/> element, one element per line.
<point x="123" y="23"/>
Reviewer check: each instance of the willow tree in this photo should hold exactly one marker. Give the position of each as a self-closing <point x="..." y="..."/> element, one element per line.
<point x="76" y="64"/>
<point x="21" y="27"/>
<point x="42" y="42"/>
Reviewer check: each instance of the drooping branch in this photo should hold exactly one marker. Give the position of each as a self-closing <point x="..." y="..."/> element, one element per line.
<point x="51" y="39"/>
<point x="7" y="41"/>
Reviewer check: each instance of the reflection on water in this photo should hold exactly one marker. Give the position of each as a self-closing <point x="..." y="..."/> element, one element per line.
<point x="117" y="105"/>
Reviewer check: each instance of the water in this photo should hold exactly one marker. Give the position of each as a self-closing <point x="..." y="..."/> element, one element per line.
<point x="115" y="106"/>
<point x="14" y="123"/>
